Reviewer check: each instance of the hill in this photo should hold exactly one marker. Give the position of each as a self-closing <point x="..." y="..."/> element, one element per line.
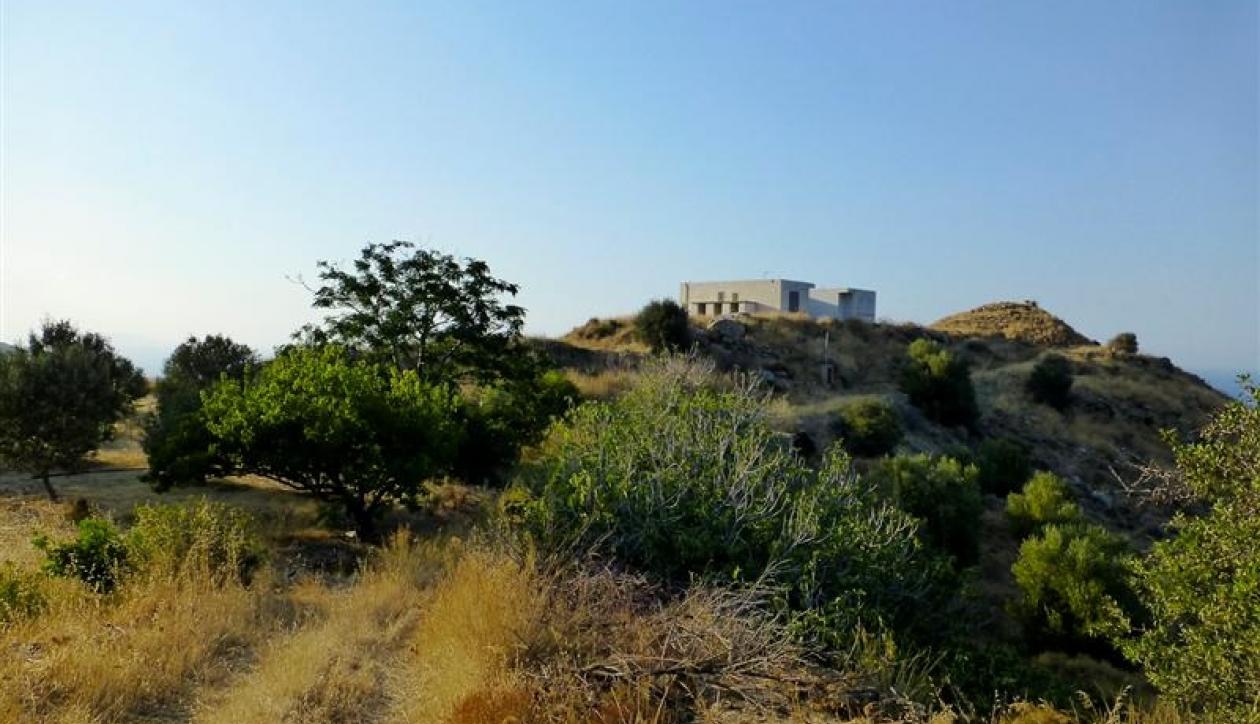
<point x="1121" y="403"/>
<point x="1019" y="321"/>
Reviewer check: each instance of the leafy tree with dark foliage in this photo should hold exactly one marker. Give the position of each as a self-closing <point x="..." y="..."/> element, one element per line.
<point x="421" y="310"/>
<point x="60" y="397"/>
<point x="444" y="319"/>
<point x="939" y="383"/>
<point x="662" y="325"/>
<point x="1050" y="382"/>
<point x="498" y="420"/>
<point x="179" y="447"/>
<point x="943" y="493"/>
<point x="1004" y="465"/>
<point x="868" y="428"/>
<point x="358" y="434"/>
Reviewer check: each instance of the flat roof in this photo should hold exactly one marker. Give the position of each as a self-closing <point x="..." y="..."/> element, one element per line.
<point x="752" y="281"/>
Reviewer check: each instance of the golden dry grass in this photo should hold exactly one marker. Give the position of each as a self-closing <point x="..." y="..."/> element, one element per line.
<point x="602" y="385"/>
<point x="340" y="666"/>
<point x="136" y="655"/>
<point x="1023" y="321"/>
<point x="439" y="631"/>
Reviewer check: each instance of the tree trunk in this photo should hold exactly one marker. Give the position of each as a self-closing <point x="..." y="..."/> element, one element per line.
<point x="52" y="492"/>
<point x="364" y="521"/>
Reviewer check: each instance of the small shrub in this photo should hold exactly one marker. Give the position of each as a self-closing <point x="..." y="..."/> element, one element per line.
<point x="868" y="428"/>
<point x="1074" y="590"/>
<point x="939" y="384"/>
<point x="1050" y="382"/>
<point x="202" y="539"/>
<point x="1124" y="343"/>
<point x="21" y="595"/>
<point x="1045" y="500"/>
<point x="1003" y="465"/>
<point x="97" y="555"/>
<point x="662" y="325"/>
<point x="943" y="493"/>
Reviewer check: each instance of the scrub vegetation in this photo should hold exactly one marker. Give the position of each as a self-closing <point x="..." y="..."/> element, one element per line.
<point x="411" y="513"/>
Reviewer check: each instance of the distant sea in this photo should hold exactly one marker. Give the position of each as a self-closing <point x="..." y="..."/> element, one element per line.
<point x="1226" y="380"/>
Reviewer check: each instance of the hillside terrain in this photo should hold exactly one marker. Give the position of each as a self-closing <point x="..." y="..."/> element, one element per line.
<point x="454" y="619"/>
<point x="1121" y="402"/>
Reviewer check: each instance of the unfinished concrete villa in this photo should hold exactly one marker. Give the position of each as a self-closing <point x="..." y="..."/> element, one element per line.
<point x="777" y="295"/>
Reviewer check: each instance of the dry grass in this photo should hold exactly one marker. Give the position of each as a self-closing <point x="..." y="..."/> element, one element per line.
<point x="136" y="655"/>
<point x="337" y="668"/>
<point x="449" y="632"/>
<point x="612" y="334"/>
<point x="602" y="385"/>
<point x="1023" y="321"/>
<point x="479" y="613"/>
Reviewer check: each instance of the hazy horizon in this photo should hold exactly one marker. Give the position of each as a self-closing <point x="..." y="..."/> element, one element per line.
<point x="166" y="170"/>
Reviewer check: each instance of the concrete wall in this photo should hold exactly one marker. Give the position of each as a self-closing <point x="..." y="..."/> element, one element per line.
<point x="775" y="295"/>
<point x="842" y="304"/>
<point x="758" y="295"/>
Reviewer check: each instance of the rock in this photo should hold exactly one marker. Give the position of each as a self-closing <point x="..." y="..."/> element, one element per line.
<point x="727" y="330"/>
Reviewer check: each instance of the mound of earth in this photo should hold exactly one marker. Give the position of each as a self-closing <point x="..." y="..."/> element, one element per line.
<point x="1019" y="321"/>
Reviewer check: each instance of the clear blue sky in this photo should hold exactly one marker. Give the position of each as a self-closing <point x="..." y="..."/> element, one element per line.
<point x="167" y="164"/>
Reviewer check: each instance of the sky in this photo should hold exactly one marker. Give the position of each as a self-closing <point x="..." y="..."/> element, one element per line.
<point x="170" y="169"/>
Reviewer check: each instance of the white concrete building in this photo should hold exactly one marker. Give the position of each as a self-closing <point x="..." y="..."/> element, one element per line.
<point x="777" y="295"/>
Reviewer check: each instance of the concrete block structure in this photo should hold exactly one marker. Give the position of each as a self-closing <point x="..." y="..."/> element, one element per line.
<point x="776" y="295"/>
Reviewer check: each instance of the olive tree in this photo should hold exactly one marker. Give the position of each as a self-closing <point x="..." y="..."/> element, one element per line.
<point x="357" y="434"/>
<point x="60" y="397"/>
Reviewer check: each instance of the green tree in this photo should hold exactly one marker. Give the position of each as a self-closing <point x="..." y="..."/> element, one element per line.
<point x="868" y="428"/>
<point x="940" y="491"/>
<point x="1074" y="591"/>
<point x="357" y="434"/>
<point x="59" y="399"/>
<point x="179" y="447"/>
<point x="662" y="325"/>
<point x="939" y="384"/>
<point x="1045" y="500"/>
<point x="1004" y="465"/>
<point x="501" y="418"/>
<point x="1202" y="586"/>
<point x="421" y="310"/>
<point x="1050" y="382"/>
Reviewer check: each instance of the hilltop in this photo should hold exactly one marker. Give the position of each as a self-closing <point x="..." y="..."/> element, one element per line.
<point x="1019" y="321"/>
